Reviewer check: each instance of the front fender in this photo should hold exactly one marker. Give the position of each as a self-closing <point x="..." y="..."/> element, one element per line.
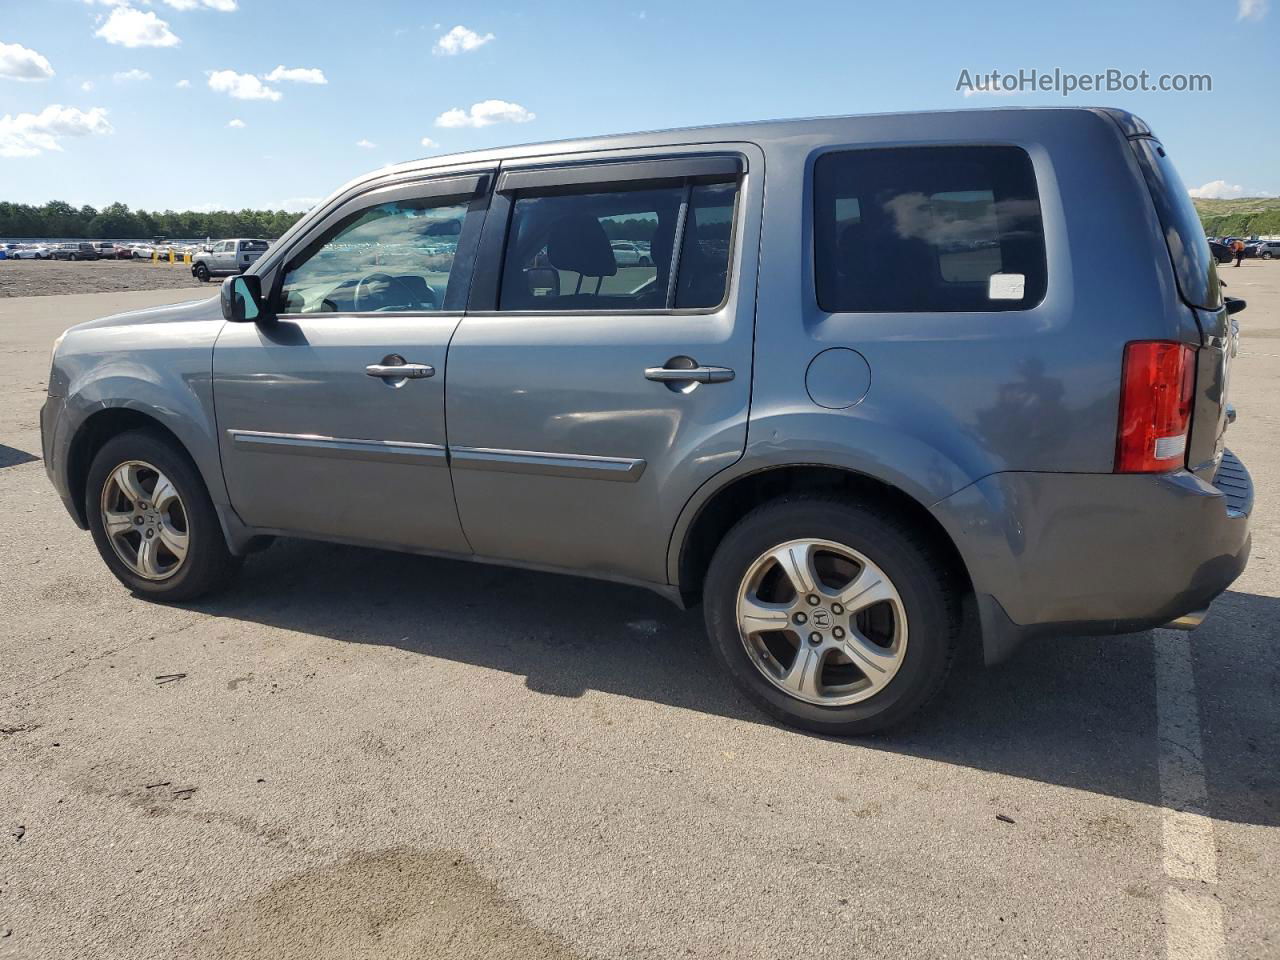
<point x="163" y="370"/>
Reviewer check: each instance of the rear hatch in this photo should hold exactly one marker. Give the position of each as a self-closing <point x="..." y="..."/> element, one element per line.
<point x="1196" y="273"/>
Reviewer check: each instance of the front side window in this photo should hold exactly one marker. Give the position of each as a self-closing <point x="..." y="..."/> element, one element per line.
<point x="928" y="229"/>
<point x="394" y="257"/>
<point x="615" y="250"/>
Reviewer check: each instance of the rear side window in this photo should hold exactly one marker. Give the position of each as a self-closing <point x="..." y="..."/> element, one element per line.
<point x="615" y="250"/>
<point x="253" y="245"/>
<point x="1193" y="263"/>
<point x="928" y="229"/>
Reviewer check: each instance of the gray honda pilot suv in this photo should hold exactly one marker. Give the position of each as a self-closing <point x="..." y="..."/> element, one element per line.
<point x="878" y="377"/>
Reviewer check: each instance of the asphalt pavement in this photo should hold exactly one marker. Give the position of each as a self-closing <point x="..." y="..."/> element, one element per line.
<point x="362" y="754"/>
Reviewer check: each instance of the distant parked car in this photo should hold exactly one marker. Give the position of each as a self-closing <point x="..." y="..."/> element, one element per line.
<point x="1267" y="249"/>
<point x="1221" y="252"/>
<point x="75" y="251"/>
<point x="122" y="251"/>
<point x="628" y="254"/>
<point x="106" y="249"/>
<point x="32" y="251"/>
<point x="226" y="258"/>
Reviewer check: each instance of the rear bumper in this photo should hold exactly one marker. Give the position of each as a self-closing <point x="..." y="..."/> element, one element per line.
<point x="1052" y="553"/>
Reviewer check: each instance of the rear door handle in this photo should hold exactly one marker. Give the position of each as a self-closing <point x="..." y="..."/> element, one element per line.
<point x="400" y="371"/>
<point x="687" y="374"/>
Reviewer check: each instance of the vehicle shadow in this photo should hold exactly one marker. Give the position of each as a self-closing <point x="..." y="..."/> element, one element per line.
<point x="1077" y="712"/>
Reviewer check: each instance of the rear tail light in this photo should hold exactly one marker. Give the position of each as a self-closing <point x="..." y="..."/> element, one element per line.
<point x="1156" y="392"/>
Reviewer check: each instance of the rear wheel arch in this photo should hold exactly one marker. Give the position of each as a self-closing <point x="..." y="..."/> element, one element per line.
<point x="723" y="509"/>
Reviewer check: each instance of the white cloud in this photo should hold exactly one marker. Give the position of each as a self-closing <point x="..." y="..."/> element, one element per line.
<point x="223" y="6"/>
<point x="241" y="86"/>
<point x="462" y="40"/>
<point x="127" y="27"/>
<point x="1221" y="190"/>
<point x="366" y="144"/>
<point x="296" y="75"/>
<point x="182" y="84"/>
<point x="22" y="63"/>
<point x="1251" y="9"/>
<point x="1217" y="190"/>
<point x="300" y="204"/>
<point x="236" y="124"/>
<point x="87" y="86"/>
<point x="484" y="114"/>
<point x="128" y="75"/>
<point x="30" y="134"/>
<point x="429" y="143"/>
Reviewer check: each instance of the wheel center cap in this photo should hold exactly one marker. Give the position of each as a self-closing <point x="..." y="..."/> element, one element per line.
<point x="821" y="618"/>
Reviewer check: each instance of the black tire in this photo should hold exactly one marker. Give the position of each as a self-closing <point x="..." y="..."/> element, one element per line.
<point x="646" y="262"/>
<point x="202" y="273"/>
<point x="209" y="565"/>
<point x="1266" y="255"/>
<point x="921" y="574"/>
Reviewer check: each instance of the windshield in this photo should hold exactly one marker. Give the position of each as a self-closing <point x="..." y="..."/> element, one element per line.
<point x="1193" y="264"/>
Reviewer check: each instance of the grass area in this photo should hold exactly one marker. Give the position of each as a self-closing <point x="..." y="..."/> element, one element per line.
<point x="1240" y="218"/>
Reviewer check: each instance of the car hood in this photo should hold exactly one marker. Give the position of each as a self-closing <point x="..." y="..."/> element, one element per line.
<point x="184" y="312"/>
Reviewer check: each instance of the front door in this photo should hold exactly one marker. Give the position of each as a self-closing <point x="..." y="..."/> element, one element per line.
<point x="590" y="397"/>
<point x="331" y="417"/>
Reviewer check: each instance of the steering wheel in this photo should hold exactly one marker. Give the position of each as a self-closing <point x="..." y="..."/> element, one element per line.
<point x="363" y="293"/>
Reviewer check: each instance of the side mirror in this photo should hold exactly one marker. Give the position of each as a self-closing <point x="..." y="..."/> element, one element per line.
<point x="1234" y="304"/>
<point x="242" y="299"/>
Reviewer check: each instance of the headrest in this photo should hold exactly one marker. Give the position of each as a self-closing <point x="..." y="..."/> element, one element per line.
<point x="578" y="243"/>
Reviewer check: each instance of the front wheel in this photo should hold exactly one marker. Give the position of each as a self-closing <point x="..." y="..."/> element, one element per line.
<point x="831" y="616"/>
<point x="1267" y="255"/>
<point x="152" y="520"/>
<point x="202" y="273"/>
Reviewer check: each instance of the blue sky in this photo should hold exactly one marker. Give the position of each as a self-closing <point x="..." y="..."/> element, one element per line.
<point x="205" y="104"/>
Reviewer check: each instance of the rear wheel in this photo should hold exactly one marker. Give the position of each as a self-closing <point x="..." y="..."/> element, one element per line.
<point x="152" y="520"/>
<point x="202" y="273"/>
<point x="830" y="616"/>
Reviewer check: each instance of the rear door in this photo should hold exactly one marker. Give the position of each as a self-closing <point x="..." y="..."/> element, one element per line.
<point x="588" y="399"/>
<point x="331" y="417"/>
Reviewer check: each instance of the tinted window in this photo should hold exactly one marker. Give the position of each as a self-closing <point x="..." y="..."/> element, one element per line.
<point x="613" y="250"/>
<point x="253" y="245"/>
<point x="928" y="229"/>
<point x="1193" y="263"/>
<point x="390" y="258"/>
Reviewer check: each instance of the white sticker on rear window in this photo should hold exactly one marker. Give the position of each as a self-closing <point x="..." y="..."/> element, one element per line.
<point x="1006" y="286"/>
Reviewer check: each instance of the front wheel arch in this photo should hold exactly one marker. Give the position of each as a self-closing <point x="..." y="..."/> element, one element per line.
<point x="93" y="434"/>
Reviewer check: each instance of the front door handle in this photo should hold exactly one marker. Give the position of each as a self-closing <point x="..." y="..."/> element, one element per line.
<point x="689" y="374"/>
<point x="401" y="371"/>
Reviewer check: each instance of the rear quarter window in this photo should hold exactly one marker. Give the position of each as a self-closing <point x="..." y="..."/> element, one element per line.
<point x="1193" y="265"/>
<point x="928" y="229"/>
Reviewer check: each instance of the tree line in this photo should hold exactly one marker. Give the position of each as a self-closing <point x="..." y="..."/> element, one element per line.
<point x="57" y="219"/>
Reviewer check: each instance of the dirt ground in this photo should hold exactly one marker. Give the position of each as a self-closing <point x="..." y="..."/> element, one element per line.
<point x="45" y="278"/>
<point x="361" y="755"/>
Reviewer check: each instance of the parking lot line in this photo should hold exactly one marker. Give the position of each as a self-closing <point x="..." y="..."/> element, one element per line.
<point x="1193" y="921"/>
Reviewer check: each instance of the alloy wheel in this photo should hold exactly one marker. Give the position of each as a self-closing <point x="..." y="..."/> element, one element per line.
<point x="145" y="520"/>
<point x="822" y="622"/>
